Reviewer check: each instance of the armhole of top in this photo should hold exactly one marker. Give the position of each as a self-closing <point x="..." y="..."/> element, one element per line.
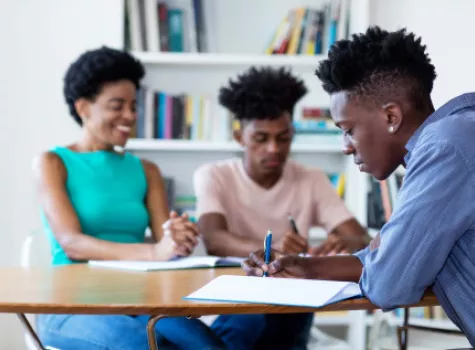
<point x="143" y="171"/>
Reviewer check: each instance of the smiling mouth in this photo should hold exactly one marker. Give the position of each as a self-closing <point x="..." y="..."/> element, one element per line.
<point x="124" y="128"/>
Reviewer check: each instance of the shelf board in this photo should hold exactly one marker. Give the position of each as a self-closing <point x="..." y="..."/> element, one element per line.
<point x="424" y="322"/>
<point x="333" y="145"/>
<point x="222" y="59"/>
<point x="322" y="320"/>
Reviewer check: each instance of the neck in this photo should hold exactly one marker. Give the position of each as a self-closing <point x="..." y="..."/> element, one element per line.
<point x="90" y="144"/>
<point x="264" y="180"/>
<point x="417" y="119"/>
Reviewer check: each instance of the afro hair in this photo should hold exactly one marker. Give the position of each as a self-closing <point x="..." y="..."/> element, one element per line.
<point x="86" y="76"/>
<point x="263" y="93"/>
<point x="379" y="64"/>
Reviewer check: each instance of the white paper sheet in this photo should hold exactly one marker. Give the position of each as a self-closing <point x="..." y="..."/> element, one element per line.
<point x="276" y="291"/>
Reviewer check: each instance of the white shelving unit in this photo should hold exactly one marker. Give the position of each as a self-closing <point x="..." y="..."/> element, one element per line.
<point x="241" y="30"/>
<point x="222" y="59"/>
<point x="333" y="145"/>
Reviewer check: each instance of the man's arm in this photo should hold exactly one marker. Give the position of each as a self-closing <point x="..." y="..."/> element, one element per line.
<point x="345" y="232"/>
<point x="211" y="209"/>
<point x="348" y="237"/>
<point x="220" y="242"/>
<point x="430" y="216"/>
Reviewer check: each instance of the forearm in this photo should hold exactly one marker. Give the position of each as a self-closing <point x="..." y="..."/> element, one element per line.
<point x="225" y="243"/>
<point x="81" y="247"/>
<point x="335" y="268"/>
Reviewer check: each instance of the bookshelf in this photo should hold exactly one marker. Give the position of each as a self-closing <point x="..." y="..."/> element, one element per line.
<point x="237" y="34"/>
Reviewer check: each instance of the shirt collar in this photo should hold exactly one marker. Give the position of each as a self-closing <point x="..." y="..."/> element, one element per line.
<point x="452" y="106"/>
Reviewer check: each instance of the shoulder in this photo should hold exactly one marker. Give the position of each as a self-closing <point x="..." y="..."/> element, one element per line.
<point x="216" y="170"/>
<point x="48" y="163"/>
<point x="450" y="135"/>
<point x="152" y="171"/>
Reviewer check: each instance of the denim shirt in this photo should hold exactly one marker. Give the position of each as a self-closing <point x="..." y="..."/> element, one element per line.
<point x="429" y="240"/>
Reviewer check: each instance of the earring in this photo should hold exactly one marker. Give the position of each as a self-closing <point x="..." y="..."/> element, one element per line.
<point x="391" y="129"/>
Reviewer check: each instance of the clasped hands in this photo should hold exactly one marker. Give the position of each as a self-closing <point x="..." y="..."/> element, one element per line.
<point x="179" y="239"/>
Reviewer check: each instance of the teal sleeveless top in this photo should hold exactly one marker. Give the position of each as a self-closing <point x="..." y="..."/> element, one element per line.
<point x="107" y="191"/>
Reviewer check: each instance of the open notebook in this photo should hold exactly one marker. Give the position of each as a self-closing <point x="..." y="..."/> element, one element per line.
<point x="193" y="262"/>
<point x="276" y="291"/>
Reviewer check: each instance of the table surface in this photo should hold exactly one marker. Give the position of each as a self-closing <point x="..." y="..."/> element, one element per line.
<point x="82" y="289"/>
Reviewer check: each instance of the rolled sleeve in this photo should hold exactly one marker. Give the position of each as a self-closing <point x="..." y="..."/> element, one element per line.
<point x="209" y="197"/>
<point x="429" y="218"/>
<point x="361" y="254"/>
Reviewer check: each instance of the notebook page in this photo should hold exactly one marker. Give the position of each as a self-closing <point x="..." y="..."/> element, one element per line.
<point x="185" y="263"/>
<point x="275" y="291"/>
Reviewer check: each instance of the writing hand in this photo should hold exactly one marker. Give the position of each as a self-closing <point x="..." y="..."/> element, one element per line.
<point x="293" y="243"/>
<point x="280" y="266"/>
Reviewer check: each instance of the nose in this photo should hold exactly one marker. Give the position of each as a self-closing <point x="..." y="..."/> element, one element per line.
<point x="272" y="147"/>
<point x="348" y="148"/>
<point x="130" y="115"/>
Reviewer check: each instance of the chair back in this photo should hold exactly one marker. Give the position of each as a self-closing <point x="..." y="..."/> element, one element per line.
<point x="35" y="250"/>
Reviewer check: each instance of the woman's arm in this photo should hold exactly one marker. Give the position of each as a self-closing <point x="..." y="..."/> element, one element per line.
<point x="50" y="176"/>
<point x="179" y="229"/>
<point x="156" y="200"/>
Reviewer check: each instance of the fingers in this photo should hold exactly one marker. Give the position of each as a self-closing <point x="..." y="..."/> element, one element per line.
<point x="182" y="236"/>
<point x="181" y="224"/>
<point x="182" y="250"/>
<point x="322" y="250"/>
<point x="258" y="259"/>
<point x="294" y="244"/>
<point x="278" y="266"/>
<point x="251" y="269"/>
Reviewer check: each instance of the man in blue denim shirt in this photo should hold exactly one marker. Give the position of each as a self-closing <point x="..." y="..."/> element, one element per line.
<point x="380" y="84"/>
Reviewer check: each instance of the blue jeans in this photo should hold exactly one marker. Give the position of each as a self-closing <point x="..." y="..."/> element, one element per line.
<point x="107" y="332"/>
<point x="285" y="332"/>
<point x="231" y="332"/>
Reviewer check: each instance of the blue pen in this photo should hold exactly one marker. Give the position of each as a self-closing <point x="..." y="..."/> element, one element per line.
<point x="267" y="249"/>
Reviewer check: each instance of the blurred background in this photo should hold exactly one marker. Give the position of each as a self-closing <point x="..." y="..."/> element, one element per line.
<point x="189" y="49"/>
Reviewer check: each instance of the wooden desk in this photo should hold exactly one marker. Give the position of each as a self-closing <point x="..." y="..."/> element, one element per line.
<point x="80" y="289"/>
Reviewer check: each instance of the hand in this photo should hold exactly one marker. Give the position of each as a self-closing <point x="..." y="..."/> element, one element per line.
<point x="340" y="245"/>
<point x="183" y="233"/>
<point x="293" y="243"/>
<point x="280" y="266"/>
<point x="165" y="249"/>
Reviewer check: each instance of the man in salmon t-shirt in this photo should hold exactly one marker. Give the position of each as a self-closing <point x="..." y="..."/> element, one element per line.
<point x="238" y="200"/>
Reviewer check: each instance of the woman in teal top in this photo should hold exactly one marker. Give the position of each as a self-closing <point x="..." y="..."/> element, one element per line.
<point x="97" y="203"/>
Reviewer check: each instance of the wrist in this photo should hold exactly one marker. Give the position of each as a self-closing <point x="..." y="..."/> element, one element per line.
<point x="335" y="268"/>
<point x="151" y="251"/>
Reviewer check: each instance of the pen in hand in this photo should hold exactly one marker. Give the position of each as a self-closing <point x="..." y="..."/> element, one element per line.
<point x="267" y="249"/>
<point x="293" y="224"/>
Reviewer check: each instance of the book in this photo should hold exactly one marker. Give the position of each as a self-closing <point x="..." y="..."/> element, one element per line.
<point x="276" y="291"/>
<point x="193" y="262"/>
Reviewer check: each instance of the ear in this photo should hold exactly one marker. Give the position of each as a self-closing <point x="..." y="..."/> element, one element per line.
<point x="393" y="117"/>
<point x="237" y="135"/>
<point x="82" y="109"/>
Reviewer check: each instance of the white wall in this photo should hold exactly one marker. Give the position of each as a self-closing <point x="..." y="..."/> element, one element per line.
<point x="445" y="27"/>
<point x="39" y="39"/>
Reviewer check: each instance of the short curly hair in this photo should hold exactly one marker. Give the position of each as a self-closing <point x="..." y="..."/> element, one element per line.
<point x="86" y="76"/>
<point x="379" y="64"/>
<point x="262" y="93"/>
